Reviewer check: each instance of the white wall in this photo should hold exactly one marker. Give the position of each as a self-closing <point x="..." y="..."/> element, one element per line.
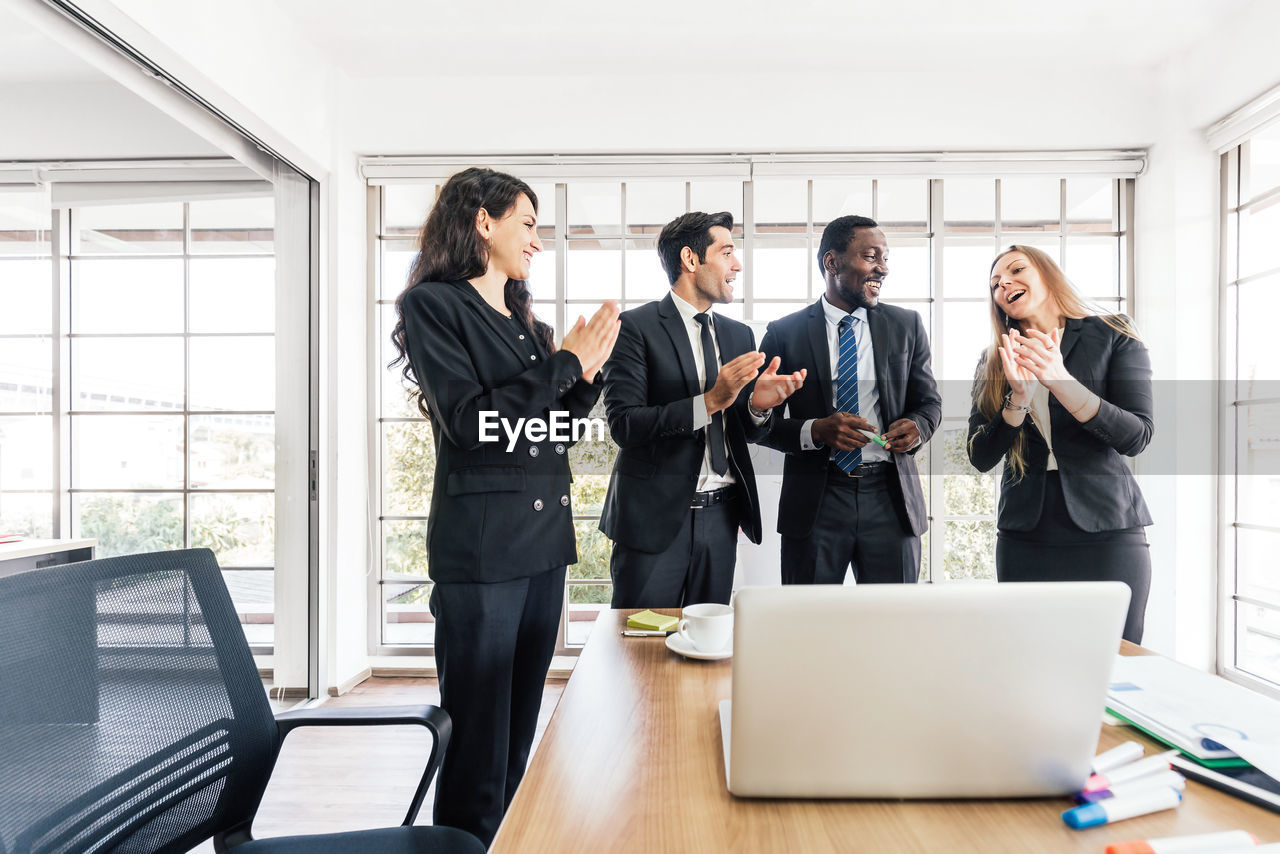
<point x="89" y="121"/>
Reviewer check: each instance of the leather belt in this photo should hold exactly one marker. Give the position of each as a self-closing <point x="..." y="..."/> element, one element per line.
<point x="715" y="496"/>
<point x="880" y="468"/>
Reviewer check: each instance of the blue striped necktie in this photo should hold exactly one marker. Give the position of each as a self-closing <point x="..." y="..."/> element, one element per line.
<point x="847" y="389"/>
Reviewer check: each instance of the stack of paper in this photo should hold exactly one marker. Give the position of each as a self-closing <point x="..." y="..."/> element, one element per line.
<point x="652" y="621"/>
<point x="1204" y="716"/>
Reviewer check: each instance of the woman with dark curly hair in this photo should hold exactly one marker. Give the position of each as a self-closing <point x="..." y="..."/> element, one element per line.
<point x="1063" y="395"/>
<point x="500" y="533"/>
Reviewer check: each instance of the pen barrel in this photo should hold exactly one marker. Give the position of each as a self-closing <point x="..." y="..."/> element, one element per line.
<point x="1130" y="751"/>
<point x="1141" y="803"/>
<point x="1171" y="779"/>
<point x="1134" y="770"/>
<point x="1202" y="843"/>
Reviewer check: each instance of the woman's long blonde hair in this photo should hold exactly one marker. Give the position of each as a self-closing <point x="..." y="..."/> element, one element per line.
<point x="989" y="382"/>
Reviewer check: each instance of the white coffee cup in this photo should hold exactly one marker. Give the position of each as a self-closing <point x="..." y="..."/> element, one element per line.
<point x="707" y="626"/>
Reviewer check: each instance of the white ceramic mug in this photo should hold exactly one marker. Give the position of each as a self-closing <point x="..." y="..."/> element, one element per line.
<point x="708" y="626"/>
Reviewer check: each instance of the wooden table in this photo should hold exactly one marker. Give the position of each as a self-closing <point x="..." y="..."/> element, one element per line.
<point x="632" y="761"/>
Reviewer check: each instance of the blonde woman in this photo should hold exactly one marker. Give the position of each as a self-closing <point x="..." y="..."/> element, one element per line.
<point x="1062" y="395"/>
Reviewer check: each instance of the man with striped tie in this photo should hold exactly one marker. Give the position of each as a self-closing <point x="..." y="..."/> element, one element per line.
<point x="846" y="500"/>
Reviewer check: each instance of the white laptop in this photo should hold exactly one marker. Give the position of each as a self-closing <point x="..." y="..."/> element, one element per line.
<point x="919" y="691"/>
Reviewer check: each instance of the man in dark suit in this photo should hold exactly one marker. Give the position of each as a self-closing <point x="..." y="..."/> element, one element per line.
<point x="683" y="401"/>
<point x="845" y="499"/>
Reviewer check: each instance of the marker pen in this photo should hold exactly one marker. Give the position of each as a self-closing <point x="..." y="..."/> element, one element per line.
<point x="873" y="437"/>
<point x="1118" y="809"/>
<point x="1132" y="771"/>
<point x="1229" y="840"/>
<point x="1117" y="756"/>
<point x="1120" y="790"/>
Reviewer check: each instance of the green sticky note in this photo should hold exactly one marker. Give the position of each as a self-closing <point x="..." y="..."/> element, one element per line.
<point x="652" y="621"/>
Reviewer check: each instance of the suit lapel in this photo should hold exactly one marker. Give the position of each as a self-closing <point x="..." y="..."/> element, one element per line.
<point x="816" y="325"/>
<point x="673" y="323"/>
<point x="1070" y="335"/>
<point x="491" y="318"/>
<point x="886" y="384"/>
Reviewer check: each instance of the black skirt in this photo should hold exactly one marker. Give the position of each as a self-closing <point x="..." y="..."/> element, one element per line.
<point x="1059" y="550"/>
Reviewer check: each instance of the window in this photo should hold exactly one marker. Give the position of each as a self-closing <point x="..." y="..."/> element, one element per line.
<point x="1249" y="626"/>
<point x="137" y="385"/>
<point x="599" y="236"/>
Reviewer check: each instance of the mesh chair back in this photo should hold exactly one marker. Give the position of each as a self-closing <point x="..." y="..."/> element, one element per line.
<point x="132" y="718"/>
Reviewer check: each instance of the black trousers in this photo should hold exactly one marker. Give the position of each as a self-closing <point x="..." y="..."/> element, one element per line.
<point x="858" y="525"/>
<point x="494" y="644"/>
<point x="1058" y="550"/>
<point x="697" y="567"/>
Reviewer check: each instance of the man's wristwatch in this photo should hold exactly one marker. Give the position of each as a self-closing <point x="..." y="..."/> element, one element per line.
<point x="751" y="407"/>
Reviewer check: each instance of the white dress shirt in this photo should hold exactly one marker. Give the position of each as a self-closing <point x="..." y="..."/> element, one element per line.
<point x="868" y="396"/>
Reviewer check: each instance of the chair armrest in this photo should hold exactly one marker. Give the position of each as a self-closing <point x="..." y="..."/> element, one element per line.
<point x="433" y="718"/>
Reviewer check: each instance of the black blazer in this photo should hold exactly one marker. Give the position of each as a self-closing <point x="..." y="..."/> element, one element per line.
<point x="495" y="515"/>
<point x="648" y="383"/>
<point x="1098" y="488"/>
<point x="904" y="382"/>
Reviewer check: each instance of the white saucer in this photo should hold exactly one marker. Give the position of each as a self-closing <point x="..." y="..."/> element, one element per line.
<point x="677" y="644"/>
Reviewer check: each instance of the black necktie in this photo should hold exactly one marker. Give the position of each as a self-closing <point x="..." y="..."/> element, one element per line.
<point x="715" y="430"/>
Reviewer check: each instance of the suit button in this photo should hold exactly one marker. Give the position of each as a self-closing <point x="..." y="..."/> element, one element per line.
<point x="537" y="504"/>
<point x="559" y="449"/>
<point x="533" y="450"/>
<point x="564" y="501"/>
<point x="533" y="357"/>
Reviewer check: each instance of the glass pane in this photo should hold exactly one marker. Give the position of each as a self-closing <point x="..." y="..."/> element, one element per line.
<point x="967" y="491"/>
<point x="1259" y="246"/>
<point x="925" y="577"/>
<point x="594" y="270"/>
<point x="28" y="514"/>
<point x="397" y="258"/>
<point x="546" y="312"/>
<point x="594" y="208"/>
<point x="126" y="295"/>
<point x="1051" y="246"/>
<point x="646" y="280"/>
<point x="1262" y="165"/>
<point x="233" y="295"/>
<point x="733" y="309"/>
<point x="396" y="402"/>
<point x="969" y="204"/>
<point x="1257" y="366"/>
<point x="26" y="374"/>
<point x="1258" y="641"/>
<point x="1090" y="204"/>
<point x="126" y="451"/>
<point x="582" y="617"/>
<point x="765" y="312"/>
<point x="966" y="267"/>
<point x="970" y="550"/>
<point x="232" y="451"/>
<point x="26" y="289"/>
<point x="542" y="272"/>
<point x="233" y="373"/>
<point x="253" y="592"/>
<point x="405" y="206"/>
<point x="652" y="204"/>
<point x="128" y="524"/>
<point x="714" y="196"/>
<point x="837" y="197"/>
<point x="240" y="529"/>
<point x="1093" y="265"/>
<point x="1255" y="564"/>
<point x="26" y="452"/>
<point x="1030" y="204"/>
<point x="126" y="373"/>
<point x="406" y="615"/>
<point x="547" y="214"/>
<point x="153" y="229"/>
<point x="781" y="204"/>
<point x="233" y="226"/>
<point x="1258" y="461"/>
<point x="968" y="334"/>
<point x="25" y="222"/>
<point x="404" y="548"/>
<point x="408" y="468"/>
<point x="908" y="269"/>
<point x="594" y="549"/>
<point x="780" y="268"/>
<point x="902" y="204"/>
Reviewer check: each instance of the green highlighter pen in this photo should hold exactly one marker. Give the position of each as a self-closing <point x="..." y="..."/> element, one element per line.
<point x="873" y="437"/>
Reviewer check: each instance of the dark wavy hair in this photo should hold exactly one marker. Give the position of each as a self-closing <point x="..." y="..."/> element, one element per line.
<point x="450" y="248"/>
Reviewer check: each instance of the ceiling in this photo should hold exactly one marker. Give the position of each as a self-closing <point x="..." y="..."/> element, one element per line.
<point x="398" y="38"/>
<point x="28" y="55"/>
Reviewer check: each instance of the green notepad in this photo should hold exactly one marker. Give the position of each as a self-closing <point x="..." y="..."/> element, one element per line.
<point x="652" y="622"/>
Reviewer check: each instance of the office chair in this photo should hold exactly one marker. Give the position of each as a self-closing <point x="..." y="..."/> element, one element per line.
<point x="133" y="719"/>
